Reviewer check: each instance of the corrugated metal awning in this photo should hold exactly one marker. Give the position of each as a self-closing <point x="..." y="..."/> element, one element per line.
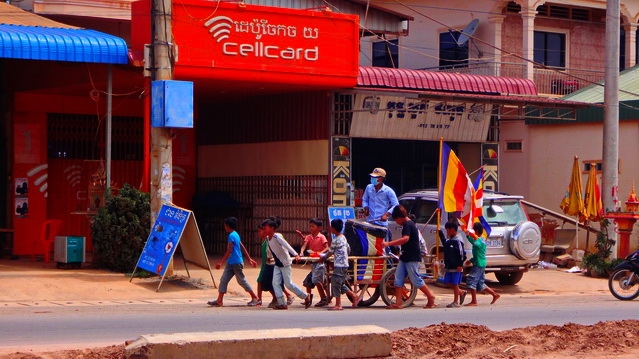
<point x="628" y="89"/>
<point x="381" y="77"/>
<point x="24" y="35"/>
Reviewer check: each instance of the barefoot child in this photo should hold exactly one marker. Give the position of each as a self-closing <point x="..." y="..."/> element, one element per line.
<point x="339" y="248"/>
<point x="265" y="278"/>
<point x="282" y="271"/>
<point x="454" y="258"/>
<point x="234" y="265"/>
<point x="317" y="244"/>
<point x="475" y="282"/>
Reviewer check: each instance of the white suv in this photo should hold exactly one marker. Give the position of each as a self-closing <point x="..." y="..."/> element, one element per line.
<point x="514" y="243"/>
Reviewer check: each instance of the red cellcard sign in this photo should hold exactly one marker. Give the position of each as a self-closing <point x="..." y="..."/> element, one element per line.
<point x="248" y="43"/>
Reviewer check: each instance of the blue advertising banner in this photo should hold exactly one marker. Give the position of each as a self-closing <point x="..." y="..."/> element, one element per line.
<point x="163" y="239"/>
<point x="173" y="226"/>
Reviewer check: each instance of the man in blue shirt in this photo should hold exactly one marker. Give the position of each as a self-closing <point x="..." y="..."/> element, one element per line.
<point x="379" y="199"/>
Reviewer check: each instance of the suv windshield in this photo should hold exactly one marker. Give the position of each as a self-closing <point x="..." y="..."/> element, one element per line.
<point x="503" y="212"/>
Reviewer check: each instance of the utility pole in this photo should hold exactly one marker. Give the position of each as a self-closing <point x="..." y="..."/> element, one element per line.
<point x="610" y="180"/>
<point x="161" y="138"/>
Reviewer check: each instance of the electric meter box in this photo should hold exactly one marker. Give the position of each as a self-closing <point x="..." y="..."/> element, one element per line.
<point x="172" y="103"/>
<point x="69" y="250"/>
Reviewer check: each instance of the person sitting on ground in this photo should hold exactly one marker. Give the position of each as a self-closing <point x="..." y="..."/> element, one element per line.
<point x="339" y="249"/>
<point x="234" y="264"/>
<point x="409" y="259"/>
<point x="317" y="244"/>
<point x="454" y="258"/>
<point x="476" y="280"/>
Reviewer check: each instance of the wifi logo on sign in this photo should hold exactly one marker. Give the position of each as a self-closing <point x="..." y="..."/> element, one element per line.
<point x="219" y="27"/>
<point x="40" y="174"/>
<point x="74" y="174"/>
<point x="178" y="176"/>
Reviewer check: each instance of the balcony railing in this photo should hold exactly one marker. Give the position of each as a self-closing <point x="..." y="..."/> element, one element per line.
<point x="549" y="81"/>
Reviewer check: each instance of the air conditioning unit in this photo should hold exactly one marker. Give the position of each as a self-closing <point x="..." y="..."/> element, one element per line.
<point x="69" y="252"/>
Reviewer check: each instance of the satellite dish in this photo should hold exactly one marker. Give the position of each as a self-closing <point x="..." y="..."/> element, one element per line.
<point x="467" y="32"/>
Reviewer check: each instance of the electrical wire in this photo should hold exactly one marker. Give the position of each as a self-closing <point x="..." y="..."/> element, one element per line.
<point x="536" y="64"/>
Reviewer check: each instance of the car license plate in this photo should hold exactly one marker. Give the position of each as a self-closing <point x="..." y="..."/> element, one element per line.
<point x="494" y="243"/>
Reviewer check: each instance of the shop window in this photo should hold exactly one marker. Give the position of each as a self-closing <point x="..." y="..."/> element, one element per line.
<point x="386" y="53"/>
<point x="514" y="146"/>
<point x="342" y="114"/>
<point x="598" y="166"/>
<point x="450" y="53"/>
<point x="79" y="136"/>
<point x="550" y="49"/>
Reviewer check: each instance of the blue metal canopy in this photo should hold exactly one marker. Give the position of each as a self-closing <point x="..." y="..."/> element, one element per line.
<point x="61" y="44"/>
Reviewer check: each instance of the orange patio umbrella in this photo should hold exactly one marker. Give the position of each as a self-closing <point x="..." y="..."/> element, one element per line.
<point x="573" y="204"/>
<point x="593" y="207"/>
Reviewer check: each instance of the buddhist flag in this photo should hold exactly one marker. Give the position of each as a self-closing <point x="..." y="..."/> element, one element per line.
<point x="455" y="187"/>
<point x="478" y="202"/>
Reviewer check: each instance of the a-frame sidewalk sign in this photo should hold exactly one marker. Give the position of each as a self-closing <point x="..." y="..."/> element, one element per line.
<point x="173" y="226"/>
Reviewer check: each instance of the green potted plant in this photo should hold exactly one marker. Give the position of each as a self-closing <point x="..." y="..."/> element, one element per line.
<point x="599" y="264"/>
<point x="120" y="229"/>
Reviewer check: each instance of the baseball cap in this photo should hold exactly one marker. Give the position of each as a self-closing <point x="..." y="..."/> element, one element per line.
<point x="378" y="172"/>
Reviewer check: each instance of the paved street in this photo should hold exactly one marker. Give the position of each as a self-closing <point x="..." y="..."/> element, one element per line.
<point x="71" y="308"/>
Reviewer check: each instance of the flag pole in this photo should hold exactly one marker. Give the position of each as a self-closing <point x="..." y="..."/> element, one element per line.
<point x="475" y="171"/>
<point x="439" y="196"/>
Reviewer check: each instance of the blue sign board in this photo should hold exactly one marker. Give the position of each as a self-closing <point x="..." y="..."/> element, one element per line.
<point x="343" y="213"/>
<point x="163" y="239"/>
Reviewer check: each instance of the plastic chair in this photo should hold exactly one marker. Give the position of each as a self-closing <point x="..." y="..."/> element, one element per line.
<point x="44" y="243"/>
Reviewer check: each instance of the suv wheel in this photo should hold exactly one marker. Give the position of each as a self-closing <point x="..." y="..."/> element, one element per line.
<point x="509" y="278"/>
<point x="525" y="241"/>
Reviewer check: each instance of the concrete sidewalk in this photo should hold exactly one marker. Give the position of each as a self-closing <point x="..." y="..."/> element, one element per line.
<point x="37" y="283"/>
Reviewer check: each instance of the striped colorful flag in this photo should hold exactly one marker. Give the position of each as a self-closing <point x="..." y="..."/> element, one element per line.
<point x="478" y="202"/>
<point x="455" y="187"/>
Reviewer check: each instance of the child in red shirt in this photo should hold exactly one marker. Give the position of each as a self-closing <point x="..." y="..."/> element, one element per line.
<point x="317" y="244"/>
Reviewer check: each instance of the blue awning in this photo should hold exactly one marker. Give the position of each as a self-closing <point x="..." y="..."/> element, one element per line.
<point x="61" y="44"/>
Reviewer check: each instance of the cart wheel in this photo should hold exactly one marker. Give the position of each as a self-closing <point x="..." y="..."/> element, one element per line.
<point x="367" y="293"/>
<point x="387" y="289"/>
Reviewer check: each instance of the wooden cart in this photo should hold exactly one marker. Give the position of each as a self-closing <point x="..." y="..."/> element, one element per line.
<point x="371" y="277"/>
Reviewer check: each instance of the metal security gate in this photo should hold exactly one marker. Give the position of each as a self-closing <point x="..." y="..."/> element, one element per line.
<point x="76" y="151"/>
<point x="295" y="199"/>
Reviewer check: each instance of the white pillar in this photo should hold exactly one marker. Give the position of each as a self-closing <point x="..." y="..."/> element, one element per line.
<point x="528" y="42"/>
<point x="631" y="44"/>
<point x="610" y="178"/>
<point x="496" y="22"/>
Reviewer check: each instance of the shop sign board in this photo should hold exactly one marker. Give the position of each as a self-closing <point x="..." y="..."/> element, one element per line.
<point x="490" y="162"/>
<point x="342" y="189"/>
<point x="400" y="117"/>
<point x="248" y="43"/>
<point x="341" y="213"/>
